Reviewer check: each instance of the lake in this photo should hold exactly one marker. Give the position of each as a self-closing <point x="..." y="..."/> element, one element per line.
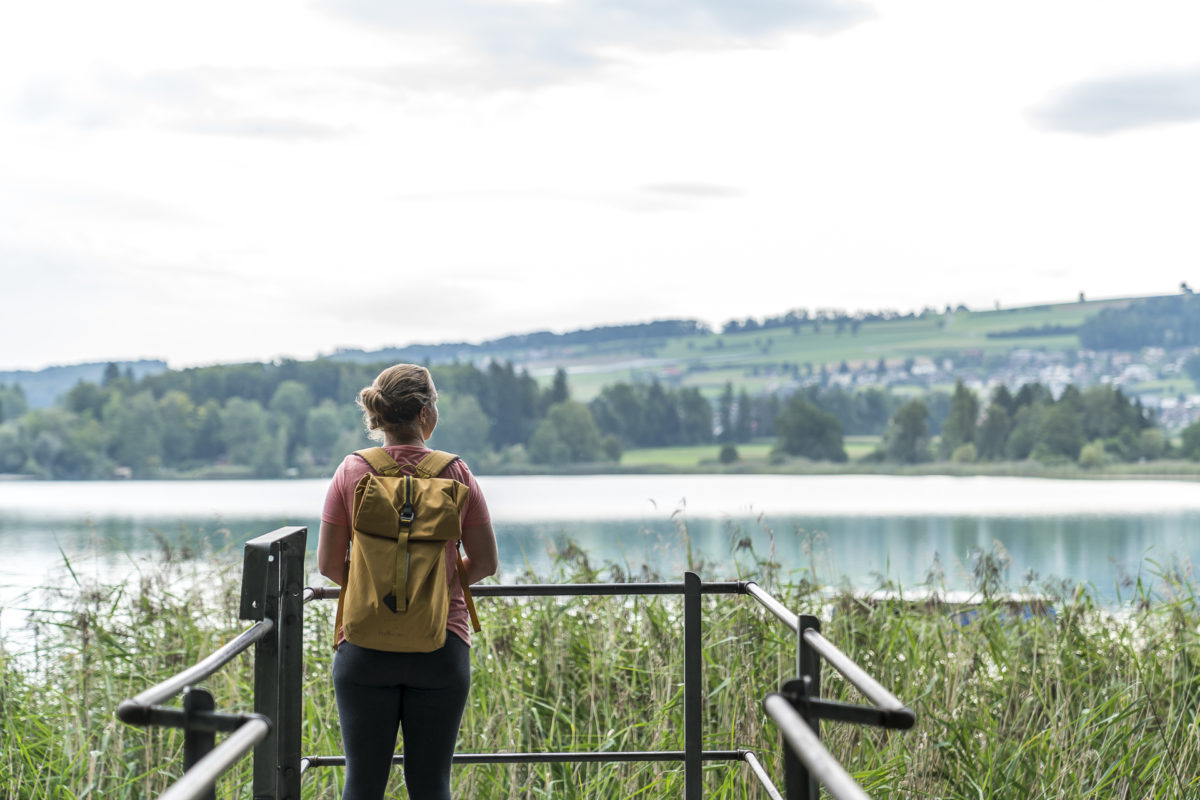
<point x="854" y="530"/>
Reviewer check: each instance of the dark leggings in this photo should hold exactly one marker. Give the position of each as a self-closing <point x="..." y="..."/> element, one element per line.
<point x="422" y="693"/>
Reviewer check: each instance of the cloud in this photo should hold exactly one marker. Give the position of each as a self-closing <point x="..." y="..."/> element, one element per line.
<point x="203" y="100"/>
<point x="525" y="42"/>
<point x="1123" y="102"/>
<point x="283" y="128"/>
<point x="692" y="189"/>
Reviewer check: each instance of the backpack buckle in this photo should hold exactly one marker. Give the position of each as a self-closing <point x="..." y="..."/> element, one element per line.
<point x="406" y="511"/>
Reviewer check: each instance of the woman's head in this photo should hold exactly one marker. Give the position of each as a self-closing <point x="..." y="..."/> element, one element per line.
<point x="400" y="401"/>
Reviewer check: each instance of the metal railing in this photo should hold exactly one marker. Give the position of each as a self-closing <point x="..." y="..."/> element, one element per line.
<point x="272" y="576"/>
<point x="271" y="594"/>
<point x="798" y="709"/>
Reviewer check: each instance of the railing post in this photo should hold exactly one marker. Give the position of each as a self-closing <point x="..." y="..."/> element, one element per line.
<point x="291" y="663"/>
<point x="266" y="686"/>
<point x="274" y="567"/>
<point x="799" y="784"/>
<point x="693" y="730"/>
<point x="198" y="744"/>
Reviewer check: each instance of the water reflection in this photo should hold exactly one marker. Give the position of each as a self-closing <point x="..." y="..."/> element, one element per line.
<point x="859" y="551"/>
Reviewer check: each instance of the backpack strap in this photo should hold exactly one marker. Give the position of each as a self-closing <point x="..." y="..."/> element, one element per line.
<point x="432" y="465"/>
<point x="379" y="460"/>
<point x="462" y="580"/>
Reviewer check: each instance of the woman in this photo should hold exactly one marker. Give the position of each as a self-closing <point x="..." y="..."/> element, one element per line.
<point x="423" y="694"/>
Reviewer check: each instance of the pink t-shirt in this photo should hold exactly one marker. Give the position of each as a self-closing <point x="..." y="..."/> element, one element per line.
<point x="339" y="510"/>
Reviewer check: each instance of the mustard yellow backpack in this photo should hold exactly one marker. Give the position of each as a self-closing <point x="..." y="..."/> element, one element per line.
<point x="396" y="597"/>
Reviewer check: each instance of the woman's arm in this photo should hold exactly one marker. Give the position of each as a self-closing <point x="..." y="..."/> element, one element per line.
<point x="480" y="558"/>
<point x="331" y="552"/>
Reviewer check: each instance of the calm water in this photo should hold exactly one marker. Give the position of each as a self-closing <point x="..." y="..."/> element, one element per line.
<point x="854" y="529"/>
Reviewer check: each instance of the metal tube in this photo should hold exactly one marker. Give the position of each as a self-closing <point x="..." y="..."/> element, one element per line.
<point x="291" y="662"/>
<point x="200" y="778"/>
<point x="562" y="589"/>
<point x="774" y="606"/>
<point x="808" y="748"/>
<point x="897" y="719"/>
<point x="693" y="703"/>
<point x="321" y="593"/>
<point x="757" y="769"/>
<point x="133" y="711"/>
<point x="870" y="688"/>
<point x="208" y="721"/>
<point x="198" y="743"/>
<point x="593" y="757"/>
<point x="265" y="781"/>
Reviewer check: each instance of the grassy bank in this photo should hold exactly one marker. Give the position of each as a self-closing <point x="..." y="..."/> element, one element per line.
<point x="1087" y="702"/>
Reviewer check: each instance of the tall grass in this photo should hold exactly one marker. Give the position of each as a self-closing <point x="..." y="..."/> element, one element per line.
<point x="1087" y="702"/>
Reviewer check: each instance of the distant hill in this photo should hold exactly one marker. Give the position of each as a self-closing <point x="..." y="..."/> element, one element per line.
<point x="773" y="354"/>
<point x="517" y="346"/>
<point x="43" y="387"/>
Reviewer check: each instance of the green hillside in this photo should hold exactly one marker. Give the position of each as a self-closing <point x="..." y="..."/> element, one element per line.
<point x="759" y="359"/>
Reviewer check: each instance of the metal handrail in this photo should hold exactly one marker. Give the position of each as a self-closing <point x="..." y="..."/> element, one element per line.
<point x="807" y="746"/>
<point x="138" y="710"/>
<point x="774" y="606"/>
<point x="887" y="710"/>
<point x="272" y="565"/>
<point x="870" y="688"/>
<point x="856" y="675"/>
<point x="551" y="757"/>
<point x="204" y="773"/>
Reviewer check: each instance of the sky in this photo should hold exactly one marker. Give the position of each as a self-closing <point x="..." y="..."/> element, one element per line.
<point x="216" y="181"/>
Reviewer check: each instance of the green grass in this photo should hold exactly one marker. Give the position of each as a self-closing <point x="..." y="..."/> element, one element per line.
<point x="684" y="457"/>
<point x="1085" y="703"/>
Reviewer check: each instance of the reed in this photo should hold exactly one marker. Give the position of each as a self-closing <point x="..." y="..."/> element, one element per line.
<point x="1087" y="701"/>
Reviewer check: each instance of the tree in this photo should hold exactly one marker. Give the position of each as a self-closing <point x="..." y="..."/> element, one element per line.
<point x="906" y="439"/>
<point x="959" y="427"/>
<point x="558" y="391"/>
<point x="179" y="427"/>
<point x="135" y="432"/>
<point x="567" y="434"/>
<point x="1190" y="446"/>
<point x="992" y="435"/>
<point x="1092" y="455"/>
<point x="743" y="424"/>
<point x="243" y="430"/>
<point x="462" y="428"/>
<point x="86" y="398"/>
<point x="725" y="414"/>
<point x="1061" y="433"/>
<point x="805" y="430"/>
<point x="1027" y="425"/>
<point x="291" y="402"/>
<point x="13" y="450"/>
<point x="695" y="417"/>
<point x="12" y="402"/>
<point x="112" y="373"/>
<point x="322" y="428"/>
<point x="661" y="416"/>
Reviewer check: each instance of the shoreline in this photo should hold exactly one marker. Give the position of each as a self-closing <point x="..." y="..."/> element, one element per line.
<point x="1164" y="470"/>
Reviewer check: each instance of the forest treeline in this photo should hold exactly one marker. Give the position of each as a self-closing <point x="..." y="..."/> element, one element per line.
<point x="298" y="418"/>
<point x="1170" y="321"/>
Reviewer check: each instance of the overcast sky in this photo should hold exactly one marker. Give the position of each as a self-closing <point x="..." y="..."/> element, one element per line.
<point x="219" y="181"/>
